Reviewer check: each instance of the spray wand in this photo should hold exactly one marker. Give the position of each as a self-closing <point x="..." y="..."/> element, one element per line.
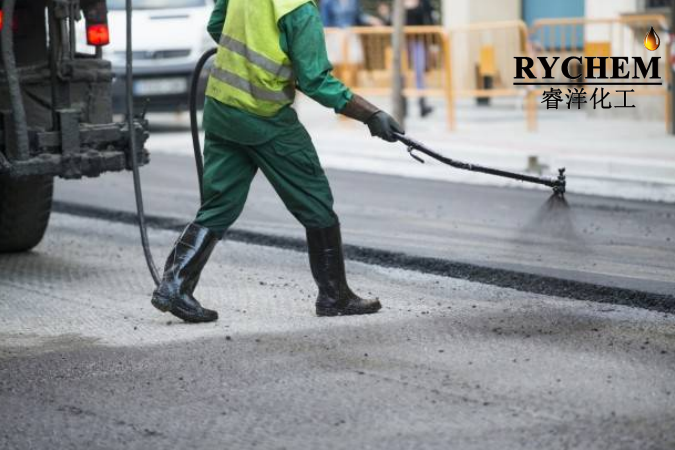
<point x="557" y="184"/>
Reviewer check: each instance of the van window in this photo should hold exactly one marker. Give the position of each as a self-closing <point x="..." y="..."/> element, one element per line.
<point x="156" y="4"/>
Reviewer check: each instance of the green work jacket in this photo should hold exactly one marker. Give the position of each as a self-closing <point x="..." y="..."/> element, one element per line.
<point x="302" y="39"/>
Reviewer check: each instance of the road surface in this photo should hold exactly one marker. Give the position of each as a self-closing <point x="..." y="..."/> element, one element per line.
<point x="85" y="362"/>
<point x="617" y="243"/>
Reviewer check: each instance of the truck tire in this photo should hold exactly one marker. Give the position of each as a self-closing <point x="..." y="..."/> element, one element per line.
<point x="25" y="206"/>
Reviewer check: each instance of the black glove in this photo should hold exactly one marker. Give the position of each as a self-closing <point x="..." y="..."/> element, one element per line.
<point x="383" y="126"/>
<point x="379" y="122"/>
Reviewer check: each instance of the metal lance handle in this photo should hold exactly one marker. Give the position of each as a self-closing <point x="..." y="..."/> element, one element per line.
<point x="558" y="184"/>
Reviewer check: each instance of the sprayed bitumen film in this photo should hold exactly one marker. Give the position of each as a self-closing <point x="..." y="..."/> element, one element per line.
<point x="554" y="214"/>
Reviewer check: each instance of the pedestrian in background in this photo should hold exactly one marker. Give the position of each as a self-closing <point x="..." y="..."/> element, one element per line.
<point x="345" y="13"/>
<point x="419" y="12"/>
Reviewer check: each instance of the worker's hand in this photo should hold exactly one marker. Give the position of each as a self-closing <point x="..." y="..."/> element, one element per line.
<point x="379" y="122"/>
<point x="383" y="126"/>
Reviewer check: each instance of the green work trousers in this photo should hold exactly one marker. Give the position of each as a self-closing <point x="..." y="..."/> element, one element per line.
<point x="289" y="162"/>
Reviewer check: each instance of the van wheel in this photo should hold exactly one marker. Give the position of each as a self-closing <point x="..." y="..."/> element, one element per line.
<point x="25" y="206"/>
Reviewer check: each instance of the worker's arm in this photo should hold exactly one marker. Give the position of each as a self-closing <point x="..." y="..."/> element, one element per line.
<point x="303" y="40"/>
<point x="217" y="20"/>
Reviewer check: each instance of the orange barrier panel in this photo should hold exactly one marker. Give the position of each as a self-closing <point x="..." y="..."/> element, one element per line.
<point x="337" y="41"/>
<point x="483" y="64"/>
<point x="477" y="60"/>
<point x="456" y="62"/>
<point x="621" y="36"/>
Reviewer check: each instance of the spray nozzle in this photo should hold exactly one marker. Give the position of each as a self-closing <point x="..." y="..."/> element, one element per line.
<point x="560" y="183"/>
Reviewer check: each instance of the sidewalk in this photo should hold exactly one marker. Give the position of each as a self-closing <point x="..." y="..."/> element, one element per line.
<point x="607" y="157"/>
<point x="611" y="157"/>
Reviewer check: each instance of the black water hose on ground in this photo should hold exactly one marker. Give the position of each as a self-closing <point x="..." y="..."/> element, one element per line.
<point x="194" y="126"/>
<point x="138" y="193"/>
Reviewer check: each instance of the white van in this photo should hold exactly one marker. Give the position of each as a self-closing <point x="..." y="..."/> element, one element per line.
<point x="169" y="36"/>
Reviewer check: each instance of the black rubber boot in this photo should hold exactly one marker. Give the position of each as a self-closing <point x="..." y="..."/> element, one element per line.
<point x="328" y="269"/>
<point x="181" y="274"/>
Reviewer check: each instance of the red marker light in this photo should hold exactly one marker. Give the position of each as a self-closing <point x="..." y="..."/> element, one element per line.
<point x="98" y="34"/>
<point x="15" y="21"/>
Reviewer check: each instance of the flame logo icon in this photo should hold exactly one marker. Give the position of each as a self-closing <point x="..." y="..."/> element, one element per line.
<point x="652" y="40"/>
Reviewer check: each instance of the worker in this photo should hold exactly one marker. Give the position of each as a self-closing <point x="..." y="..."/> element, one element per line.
<point x="266" y="50"/>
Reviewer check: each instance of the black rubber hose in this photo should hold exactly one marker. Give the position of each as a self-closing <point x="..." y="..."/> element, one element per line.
<point x="134" y="152"/>
<point x="18" y="111"/>
<point x="557" y="184"/>
<point x="194" y="126"/>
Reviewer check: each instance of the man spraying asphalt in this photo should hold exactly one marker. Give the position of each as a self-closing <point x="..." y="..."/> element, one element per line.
<point x="266" y="50"/>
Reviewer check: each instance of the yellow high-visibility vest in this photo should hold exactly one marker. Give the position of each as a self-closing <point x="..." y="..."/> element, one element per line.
<point x="251" y="71"/>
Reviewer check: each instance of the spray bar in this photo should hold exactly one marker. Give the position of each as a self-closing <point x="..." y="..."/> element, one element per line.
<point x="557" y="184"/>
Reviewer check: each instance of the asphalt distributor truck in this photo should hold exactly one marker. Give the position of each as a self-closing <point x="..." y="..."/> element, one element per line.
<point x="56" y="116"/>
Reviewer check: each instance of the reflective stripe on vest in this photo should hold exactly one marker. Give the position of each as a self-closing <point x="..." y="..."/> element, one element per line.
<point x="251" y="70"/>
<point x="256" y="58"/>
<point x="254" y="91"/>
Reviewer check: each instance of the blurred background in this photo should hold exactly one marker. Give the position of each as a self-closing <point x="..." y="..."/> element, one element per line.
<point x="457" y="75"/>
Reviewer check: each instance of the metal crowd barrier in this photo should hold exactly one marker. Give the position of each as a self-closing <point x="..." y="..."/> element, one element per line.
<point x="363" y="58"/>
<point x="477" y="60"/>
<point x="483" y="62"/>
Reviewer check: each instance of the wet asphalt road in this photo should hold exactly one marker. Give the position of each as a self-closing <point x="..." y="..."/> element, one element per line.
<point x="615" y="243"/>
<point x="85" y="362"/>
